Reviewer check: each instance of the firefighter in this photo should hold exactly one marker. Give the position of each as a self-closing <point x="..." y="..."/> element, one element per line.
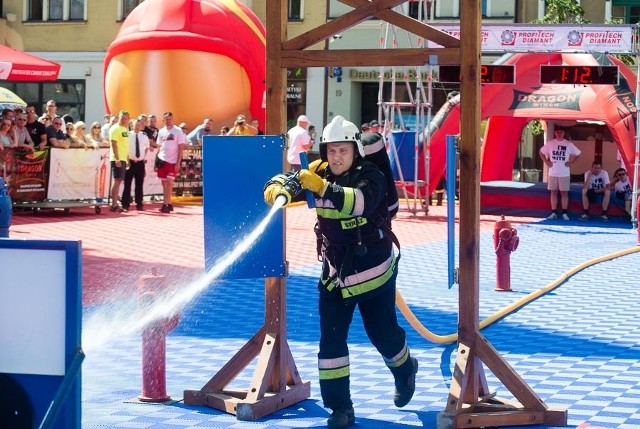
<point x="359" y="265"/>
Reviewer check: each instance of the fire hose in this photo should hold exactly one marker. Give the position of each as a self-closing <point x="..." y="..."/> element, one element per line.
<point x="450" y="338"/>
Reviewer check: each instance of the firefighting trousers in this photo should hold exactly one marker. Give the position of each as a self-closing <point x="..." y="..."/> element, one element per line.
<point x="381" y="325"/>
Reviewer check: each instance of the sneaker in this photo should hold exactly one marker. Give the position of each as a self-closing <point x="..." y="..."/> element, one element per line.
<point x="584" y="216"/>
<point x="341" y="418"/>
<point x="565" y="216"/>
<point x="125" y="209"/>
<point x="405" y="389"/>
<point x="170" y="207"/>
<point x="115" y="209"/>
<point x="165" y="209"/>
<point x="552" y="216"/>
<point x="604" y="218"/>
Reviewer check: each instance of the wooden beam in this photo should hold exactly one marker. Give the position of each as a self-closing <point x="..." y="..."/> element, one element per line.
<point x="369" y="57"/>
<point x="339" y="24"/>
<point x="411" y="25"/>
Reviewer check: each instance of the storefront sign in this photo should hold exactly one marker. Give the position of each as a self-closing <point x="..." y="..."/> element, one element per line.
<point x="297" y="92"/>
<point x="360" y="74"/>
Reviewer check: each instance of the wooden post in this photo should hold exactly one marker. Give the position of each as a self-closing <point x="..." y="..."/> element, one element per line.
<point x="276" y="383"/>
<point x="470" y="404"/>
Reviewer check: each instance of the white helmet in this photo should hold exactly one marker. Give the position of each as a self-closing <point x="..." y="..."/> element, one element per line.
<point x="339" y="130"/>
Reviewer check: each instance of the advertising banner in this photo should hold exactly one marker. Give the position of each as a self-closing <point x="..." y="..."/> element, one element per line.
<point x="78" y="174"/>
<point x="26" y="174"/>
<point x="613" y="39"/>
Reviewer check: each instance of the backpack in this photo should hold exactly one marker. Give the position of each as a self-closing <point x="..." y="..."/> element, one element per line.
<point x="376" y="152"/>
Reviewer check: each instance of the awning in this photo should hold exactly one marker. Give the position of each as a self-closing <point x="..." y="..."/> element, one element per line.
<point x="20" y="66"/>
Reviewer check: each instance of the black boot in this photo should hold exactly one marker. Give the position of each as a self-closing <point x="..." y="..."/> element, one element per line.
<point x="341" y="418"/>
<point x="405" y="387"/>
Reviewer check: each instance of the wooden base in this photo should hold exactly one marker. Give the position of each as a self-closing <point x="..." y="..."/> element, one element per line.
<point x="276" y="383"/>
<point x="471" y="405"/>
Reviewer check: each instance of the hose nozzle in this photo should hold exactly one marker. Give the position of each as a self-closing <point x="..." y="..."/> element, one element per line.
<point x="290" y="189"/>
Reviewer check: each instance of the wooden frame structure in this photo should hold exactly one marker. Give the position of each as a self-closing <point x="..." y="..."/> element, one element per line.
<point x="276" y="383"/>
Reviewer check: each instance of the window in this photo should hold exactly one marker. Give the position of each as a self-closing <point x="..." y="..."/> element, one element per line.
<point x="56" y="10"/>
<point x="497" y="8"/>
<point x="69" y="95"/>
<point x="626" y="11"/>
<point x="296" y="12"/>
<point x="419" y="10"/>
<point x="128" y="6"/>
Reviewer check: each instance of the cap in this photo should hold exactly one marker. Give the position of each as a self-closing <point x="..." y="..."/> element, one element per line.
<point x="364" y="126"/>
<point x="374" y="123"/>
<point x="303" y="118"/>
<point x="182" y="125"/>
<point x="241" y="118"/>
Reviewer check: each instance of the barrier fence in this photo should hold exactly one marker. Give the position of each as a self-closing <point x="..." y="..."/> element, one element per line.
<point x="84" y="174"/>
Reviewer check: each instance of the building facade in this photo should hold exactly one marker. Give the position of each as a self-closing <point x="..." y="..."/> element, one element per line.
<point x="73" y="33"/>
<point x="76" y="34"/>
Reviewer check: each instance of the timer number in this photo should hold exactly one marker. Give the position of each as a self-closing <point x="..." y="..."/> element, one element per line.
<point x="576" y="74"/>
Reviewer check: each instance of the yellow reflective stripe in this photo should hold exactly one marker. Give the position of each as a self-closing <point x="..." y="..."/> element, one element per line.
<point x="332" y="374"/>
<point x="398" y="359"/>
<point x="328" y="284"/>
<point x="368" y="286"/>
<point x="349" y="201"/>
<point x="330" y="213"/>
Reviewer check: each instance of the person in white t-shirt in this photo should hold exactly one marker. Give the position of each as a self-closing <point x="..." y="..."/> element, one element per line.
<point x="558" y="154"/>
<point x="622" y="190"/>
<point x="171" y="140"/>
<point x="595" y="187"/>
<point x="299" y="141"/>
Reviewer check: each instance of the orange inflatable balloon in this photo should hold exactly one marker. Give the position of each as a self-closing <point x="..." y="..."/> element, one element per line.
<point x="194" y="58"/>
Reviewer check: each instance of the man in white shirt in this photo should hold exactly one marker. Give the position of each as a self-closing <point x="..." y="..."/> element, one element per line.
<point x="595" y="186"/>
<point x="299" y="141"/>
<point x="558" y="154"/>
<point x="171" y="140"/>
<point x="138" y="147"/>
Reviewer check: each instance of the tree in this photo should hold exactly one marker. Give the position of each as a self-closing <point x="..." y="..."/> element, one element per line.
<point x="562" y="12"/>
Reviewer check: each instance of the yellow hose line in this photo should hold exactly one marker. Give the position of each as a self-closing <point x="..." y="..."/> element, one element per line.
<point x="435" y="338"/>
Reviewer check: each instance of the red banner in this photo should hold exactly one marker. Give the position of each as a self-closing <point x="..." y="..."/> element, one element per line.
<point x="26" y="174"/>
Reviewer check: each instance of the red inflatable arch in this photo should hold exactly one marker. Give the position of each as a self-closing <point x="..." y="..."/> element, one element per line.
<point x="510" y="107"/>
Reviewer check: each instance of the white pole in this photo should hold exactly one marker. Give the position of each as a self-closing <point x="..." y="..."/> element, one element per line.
<point x="540" y="9"/>
<point x="607" y="11"/>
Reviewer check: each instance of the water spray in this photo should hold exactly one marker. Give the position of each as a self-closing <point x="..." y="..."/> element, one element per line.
<point x="104" y="325"/>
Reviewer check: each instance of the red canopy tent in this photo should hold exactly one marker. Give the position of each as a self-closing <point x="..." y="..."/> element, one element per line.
<point x="510" y="107"/>
<point x="20" y="66"/>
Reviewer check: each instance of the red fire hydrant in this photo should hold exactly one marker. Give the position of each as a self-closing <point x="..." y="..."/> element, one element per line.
<point x="151" y="289"/>
<point x="505" y="241"/>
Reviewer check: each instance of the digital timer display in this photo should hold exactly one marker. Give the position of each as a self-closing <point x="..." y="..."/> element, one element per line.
<point x="579" y="75"/>
<point x="489" y="73"/>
